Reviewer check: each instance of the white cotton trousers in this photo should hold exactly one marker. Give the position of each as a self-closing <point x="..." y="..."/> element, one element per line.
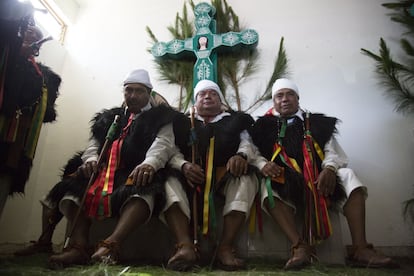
<point x="347" y="178"/>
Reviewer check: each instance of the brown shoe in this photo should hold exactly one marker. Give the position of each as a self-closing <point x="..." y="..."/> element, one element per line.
<point x="35" y="248"/>
<point x="302" y="255"/>
<point x="107" y="252"/>
<point x="73" y="255"/>
<point x="227" y="260"/>
<point x="185" y="257"/>
<point x="368" y="257"/>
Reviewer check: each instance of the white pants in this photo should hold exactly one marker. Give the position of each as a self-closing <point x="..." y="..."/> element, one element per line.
<point x="239" y="193"/>
<point x="348" y="180"/>
<point x="174" y="193"/>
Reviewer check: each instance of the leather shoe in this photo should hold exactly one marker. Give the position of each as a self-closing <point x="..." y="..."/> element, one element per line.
<point x="185" y="257"/>
<point x="73" y="255"/>
<point x="368" y="257"/>
<point x="227" y="260"/>
<point x="301" y="256"/>
<point x="107" y="252"/>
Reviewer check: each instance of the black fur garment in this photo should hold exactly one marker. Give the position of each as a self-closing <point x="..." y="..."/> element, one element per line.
<point x="22" y="93"/>
<point x="142" y="133"/>
<point x="68" y="183"/>
<point x="227" y="139"/>
<point x="265" y="134"/>
<point x="226" y="132"/>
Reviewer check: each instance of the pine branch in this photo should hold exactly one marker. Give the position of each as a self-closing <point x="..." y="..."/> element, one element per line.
<point x="396" y="78"/>
<point x="151" y="34"/>
<point x="280" y="69"/>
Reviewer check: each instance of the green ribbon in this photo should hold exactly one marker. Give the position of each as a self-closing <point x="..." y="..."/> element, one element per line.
<point x="110" y="135"/>
<point x="268" y="184"/>
<point x="213" y="219"/>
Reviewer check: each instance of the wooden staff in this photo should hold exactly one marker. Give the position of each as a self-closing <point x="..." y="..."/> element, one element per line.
<point x="193" y="161"/>
<point x="108" y="141"/>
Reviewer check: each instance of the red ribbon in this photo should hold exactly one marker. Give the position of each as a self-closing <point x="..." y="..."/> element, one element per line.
<point x="98" y="200"/>
<point x="318" y="226"/>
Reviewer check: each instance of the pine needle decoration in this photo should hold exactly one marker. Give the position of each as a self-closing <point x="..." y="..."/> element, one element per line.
<point x="397" y="78"/>
<point x="280" y="70"/>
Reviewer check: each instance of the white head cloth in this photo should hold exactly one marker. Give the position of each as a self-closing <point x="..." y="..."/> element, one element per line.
<point x="284" y="83"/>
<point x="138" y="76"/>
<point x="205" y="85"/>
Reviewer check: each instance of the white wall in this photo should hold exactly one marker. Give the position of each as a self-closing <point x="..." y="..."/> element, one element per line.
<point x="323" y="40"/>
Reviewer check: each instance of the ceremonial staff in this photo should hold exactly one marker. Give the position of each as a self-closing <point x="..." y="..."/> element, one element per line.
<point x="110" y="137"/>
<point x="193" y="160"/>
<point x="36" y="45"/>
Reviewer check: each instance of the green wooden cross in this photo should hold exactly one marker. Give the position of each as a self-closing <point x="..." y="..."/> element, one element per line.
<point x="205" y="44"/>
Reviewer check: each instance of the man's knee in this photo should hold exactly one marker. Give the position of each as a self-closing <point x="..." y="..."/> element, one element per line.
<point x="136" y="203"/>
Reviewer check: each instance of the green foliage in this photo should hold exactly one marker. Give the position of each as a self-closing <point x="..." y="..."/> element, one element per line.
<point x="280" y="69"/>
<point x="38" y="265"/>
<point x="177" y="71"/>
<point x="397" y="78"/>
<point x="234" y="67"/>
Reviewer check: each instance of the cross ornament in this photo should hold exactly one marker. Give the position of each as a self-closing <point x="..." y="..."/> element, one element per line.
<point x="205" y="44"/>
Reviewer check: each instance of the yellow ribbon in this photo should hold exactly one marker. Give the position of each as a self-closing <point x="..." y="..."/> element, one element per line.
<point x="209" y="179"/>
<point x="279" y="148"/>
<point x="252" y="220"/>
<point x="37" y="122"/>
<point x="318" y="150"/>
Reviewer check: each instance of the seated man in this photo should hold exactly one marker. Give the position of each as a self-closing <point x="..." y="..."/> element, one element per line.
<point x="131" y="182"/>
<point x="221" y="151"/>
<point x="297" y="169"/>
<point x="51" y="215"/>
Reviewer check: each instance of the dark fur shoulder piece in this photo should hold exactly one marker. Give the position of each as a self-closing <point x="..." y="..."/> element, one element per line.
<point x="52" y="81"/>
<point x="22" y="88"/>
<point x="68" y="184"/>
<point x="72" y="165"/>
<point x="103" y="120"/>
<point x="323" y="127"/>
<point x="181" y="128"/>
<point x="152" y="120"/>
<point x="264" y="134"/>
<point x="142" y="133"/>
<point x="227" y="136"/>
<point x="243" y="118"/>
<point x="265" y="130"/>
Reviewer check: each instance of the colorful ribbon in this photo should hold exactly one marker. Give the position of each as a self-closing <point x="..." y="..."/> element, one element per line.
<point x="98" y="200"/>
<point x="209" y="180"/>
<point x="317" y="223"/>
<point x="36" y="125"/>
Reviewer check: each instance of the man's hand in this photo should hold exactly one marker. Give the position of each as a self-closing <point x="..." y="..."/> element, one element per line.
<point x="142" y="175"/>
<point x="86" y="169"/>
<point x="326" y="182"/>
<point x="271" y="169"/>
<point x="237" y="165"/>
<point x="193" y="173"/>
